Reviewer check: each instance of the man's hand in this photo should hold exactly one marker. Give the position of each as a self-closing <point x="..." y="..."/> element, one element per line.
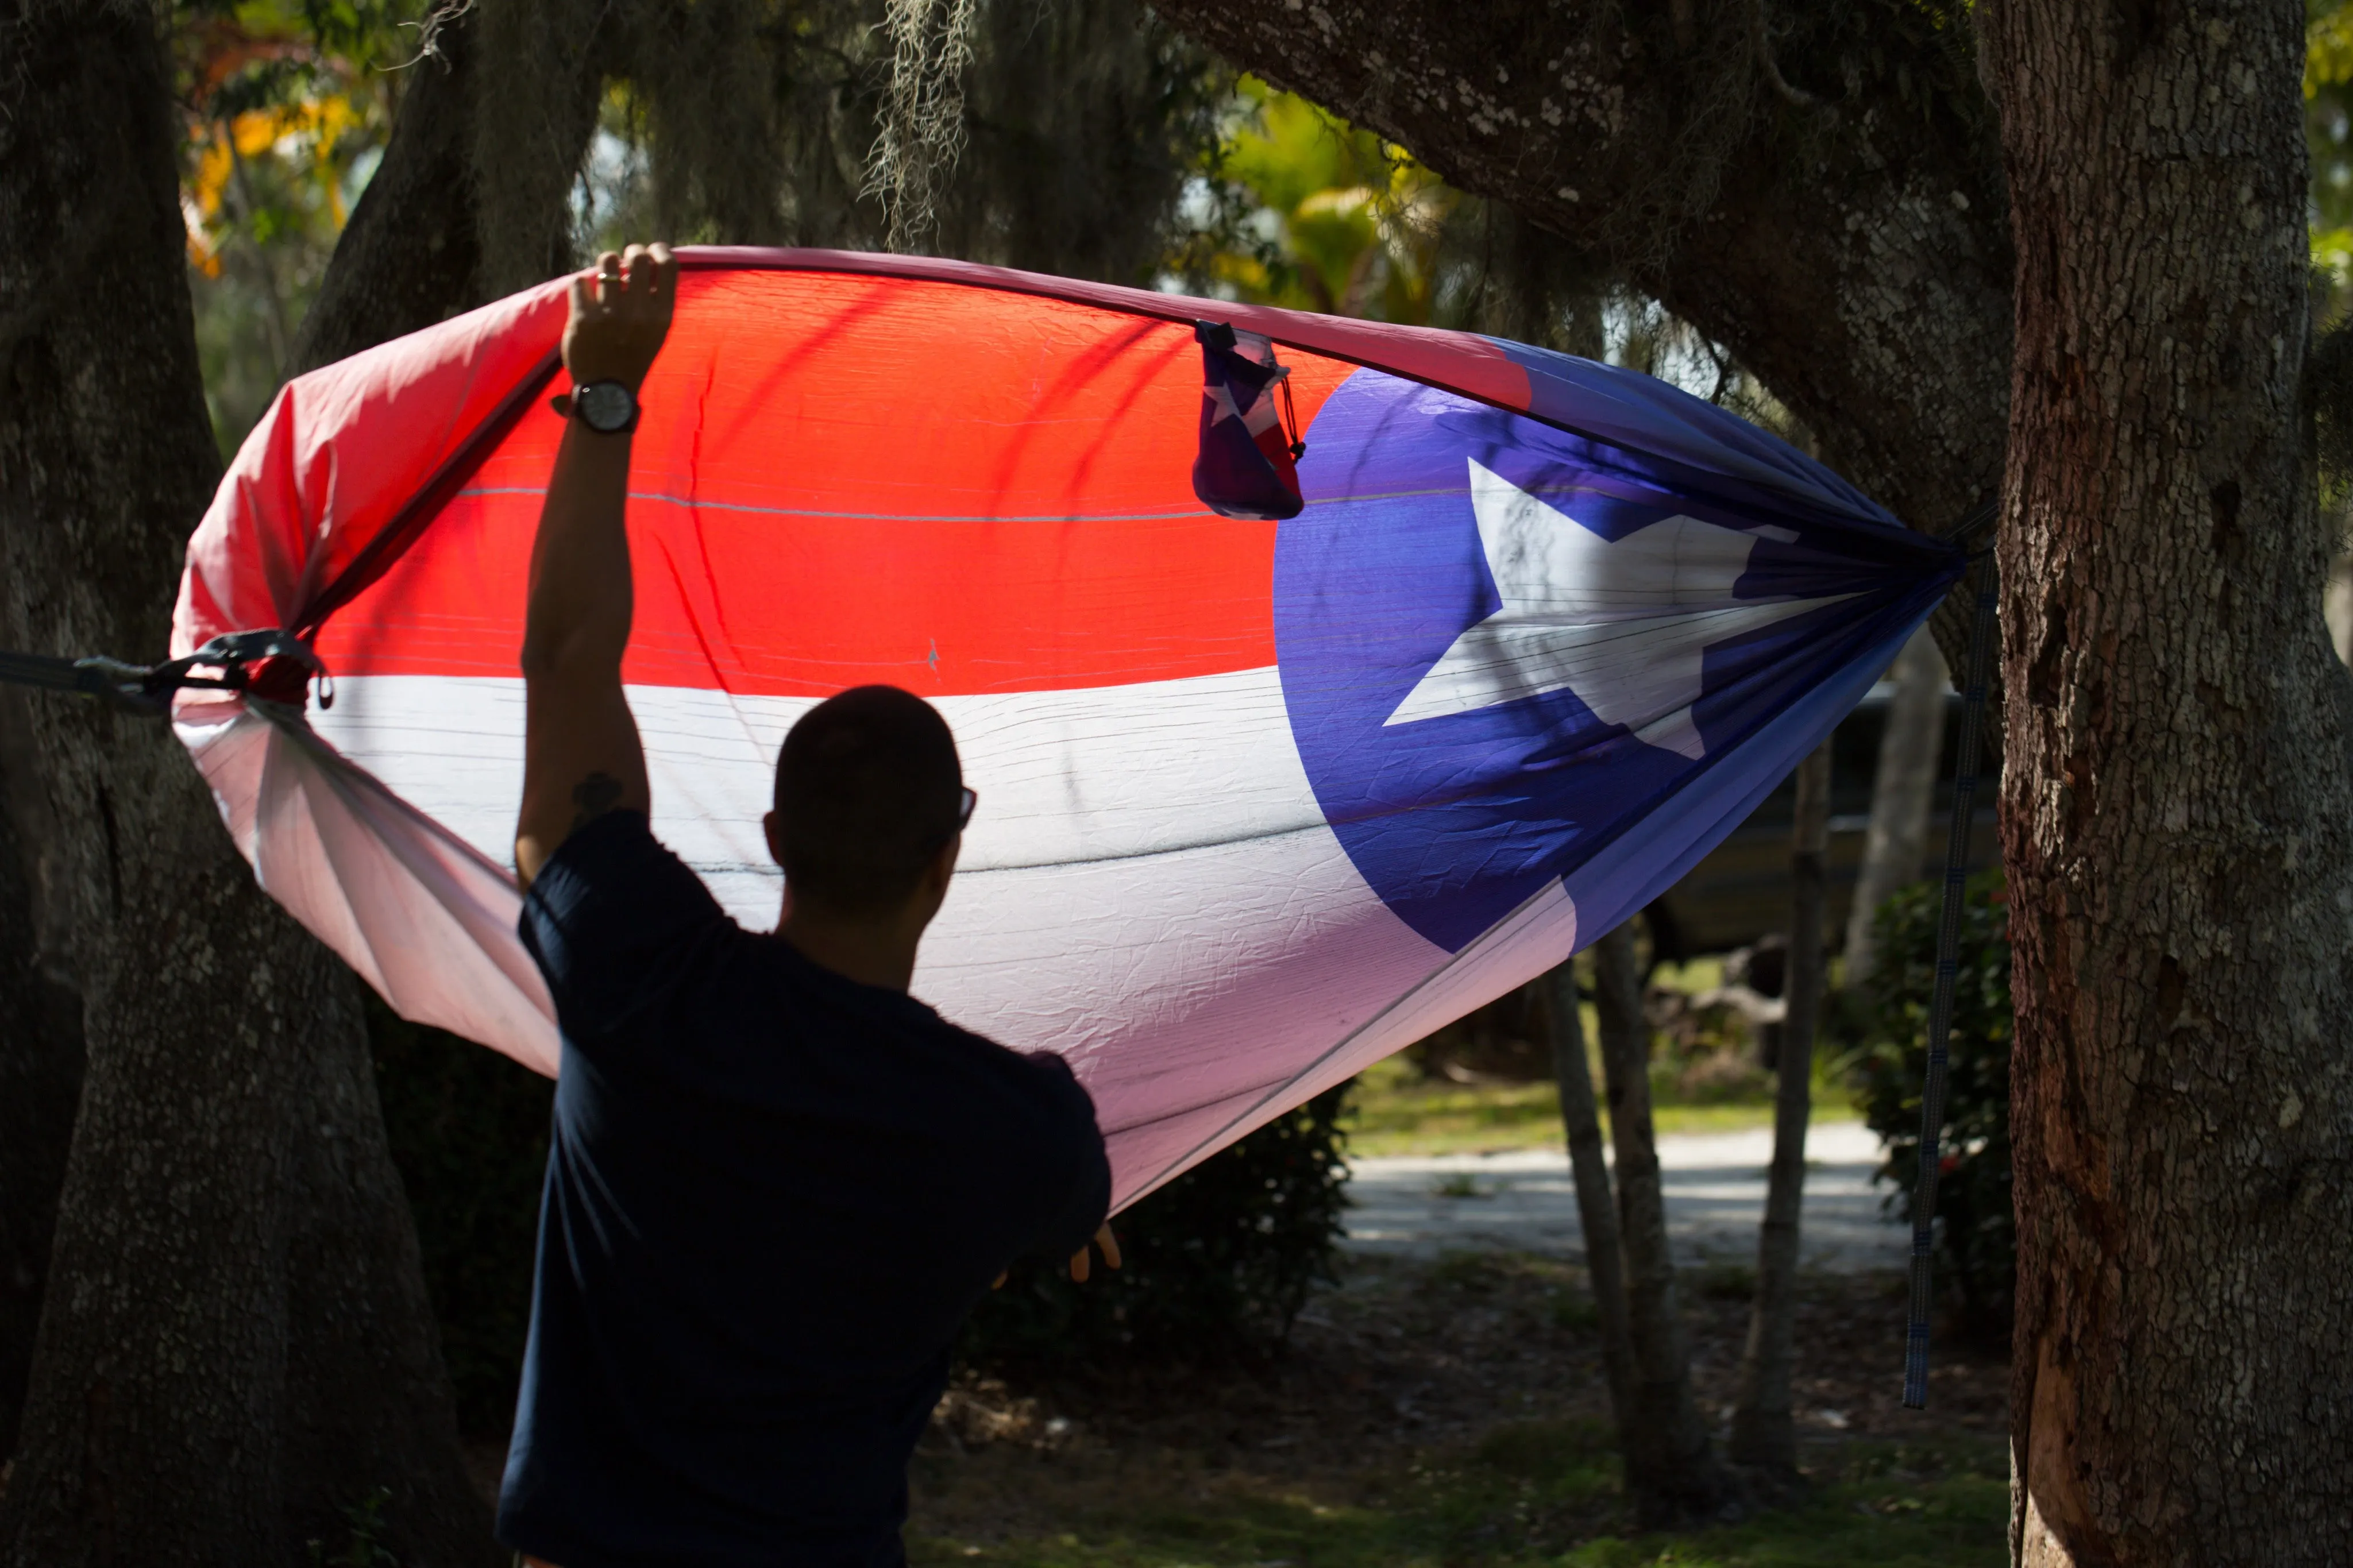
<point x="620" y="316"/>
<point x="1079" y="1259"/>
<point x="1110" y="1245"/>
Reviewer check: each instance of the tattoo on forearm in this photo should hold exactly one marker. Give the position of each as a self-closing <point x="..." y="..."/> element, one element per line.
<point x="595" y="795"/>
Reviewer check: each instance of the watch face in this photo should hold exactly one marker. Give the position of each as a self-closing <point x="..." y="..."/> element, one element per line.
<point x="605" y="405"/>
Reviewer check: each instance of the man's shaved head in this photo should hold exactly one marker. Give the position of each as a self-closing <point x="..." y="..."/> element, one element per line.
<point x="868" y="788"/>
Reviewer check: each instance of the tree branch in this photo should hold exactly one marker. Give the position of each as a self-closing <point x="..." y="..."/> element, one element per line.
<point x="409" y="257"/>
<point x="1859" y="264"/>
<point x="1760" y="39"/>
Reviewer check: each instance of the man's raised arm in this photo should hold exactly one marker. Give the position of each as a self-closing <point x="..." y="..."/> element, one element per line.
<point x="581" y="755"/>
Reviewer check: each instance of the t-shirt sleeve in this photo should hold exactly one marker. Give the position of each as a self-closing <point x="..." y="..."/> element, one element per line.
<point x="1077" y="1191"/>
<point x="609" y="919"/>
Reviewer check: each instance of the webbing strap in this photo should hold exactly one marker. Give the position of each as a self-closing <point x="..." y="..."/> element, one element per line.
<point x="1940" y="1006"/>
<point x="238" y="658"/>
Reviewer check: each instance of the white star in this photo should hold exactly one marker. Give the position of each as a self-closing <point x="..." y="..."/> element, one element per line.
<point x="1623" y="625"/>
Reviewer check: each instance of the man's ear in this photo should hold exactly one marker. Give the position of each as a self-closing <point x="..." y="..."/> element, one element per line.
<point x="775" y="847"/>
<point x="943" y="866"/>
<point x="930" y="889"/>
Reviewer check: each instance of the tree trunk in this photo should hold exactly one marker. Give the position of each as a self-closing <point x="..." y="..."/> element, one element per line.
<point x="1901" y="793"/>
<point x="1671" y="1469"/>
<point x="1763" y="1433"/>
<point x="234" y="1346"/>
<point x="538" y="84"/>
<point x="2177" y="803"/>
<point x="420" y="246"/>
<point x="40" y="1073"/>
<point x="1605" y="1266"/>
<point x="410" y="256"/>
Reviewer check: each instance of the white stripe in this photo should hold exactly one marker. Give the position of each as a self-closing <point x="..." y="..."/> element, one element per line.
<point x="1148" y="889"/>
<point x="1106" y="772"/>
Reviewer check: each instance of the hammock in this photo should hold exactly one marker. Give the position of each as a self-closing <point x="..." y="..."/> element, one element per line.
<point x="1264" y="798"/>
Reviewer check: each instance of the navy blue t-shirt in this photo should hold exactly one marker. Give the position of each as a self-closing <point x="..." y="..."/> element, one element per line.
<point x="773" y="1193"/>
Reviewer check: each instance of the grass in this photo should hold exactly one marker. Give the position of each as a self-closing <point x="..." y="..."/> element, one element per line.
<point x="1699" y="975"/>
<point x="1529" y="1493"/>
<point x="1395" y="1111"/>
<point x="1450" y="1413"/>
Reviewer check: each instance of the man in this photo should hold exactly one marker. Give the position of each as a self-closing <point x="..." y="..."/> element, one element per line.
<point x="776" y="1182"/>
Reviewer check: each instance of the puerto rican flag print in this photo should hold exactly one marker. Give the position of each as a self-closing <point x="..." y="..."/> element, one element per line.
<point x="1261" y="801"/>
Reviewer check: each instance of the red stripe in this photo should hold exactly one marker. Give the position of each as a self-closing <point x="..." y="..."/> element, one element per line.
<point x="843" y="478"/>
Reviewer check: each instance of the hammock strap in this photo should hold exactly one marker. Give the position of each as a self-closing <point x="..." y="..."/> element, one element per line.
<point x="1949" y="949"/>
<point x="270" y="663"/>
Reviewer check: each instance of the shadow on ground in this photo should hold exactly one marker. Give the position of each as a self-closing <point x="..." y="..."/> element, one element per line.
<point x="1450" y="1412"/>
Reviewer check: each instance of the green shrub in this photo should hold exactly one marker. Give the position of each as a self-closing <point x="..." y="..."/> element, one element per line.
<point x="1219" y="1262"/>
<point x="1976" y="1237"/>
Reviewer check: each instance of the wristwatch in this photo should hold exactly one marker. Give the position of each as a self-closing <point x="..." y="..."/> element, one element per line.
<point x="607" y="407"/>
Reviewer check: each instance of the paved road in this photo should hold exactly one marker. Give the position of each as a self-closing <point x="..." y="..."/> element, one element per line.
<point x="1715" y="1189"/>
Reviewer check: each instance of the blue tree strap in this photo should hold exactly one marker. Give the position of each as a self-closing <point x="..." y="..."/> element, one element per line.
<point x="1940" y="1007"/>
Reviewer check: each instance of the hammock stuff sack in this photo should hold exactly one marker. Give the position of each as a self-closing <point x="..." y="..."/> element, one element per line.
<point x="1277" y="774"/>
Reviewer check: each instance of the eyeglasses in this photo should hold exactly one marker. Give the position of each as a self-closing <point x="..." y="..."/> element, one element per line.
<point x="967" y="798"/>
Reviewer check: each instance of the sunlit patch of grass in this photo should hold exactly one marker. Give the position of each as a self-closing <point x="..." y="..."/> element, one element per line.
<point x="1395" y="1111"/>
<point x="1704" y="973"/>
<point x="1672" y="1117"/>
<point x="1527" y="1493"/>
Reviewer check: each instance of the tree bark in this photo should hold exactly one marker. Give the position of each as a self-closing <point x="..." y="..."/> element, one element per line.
<point x="1901" y="793"/>
<point x="234" y="1346"/>
<point x="1605" y="1266"/>
<point x="538" y="85"/>
<point x="410" y="256"/>
<point x="420" y="246"/>
<point x="1857" y="261"/>
<point x="1763" y="1433"/>
<point x="40" y="1073"/>
<point x="2178" y="804"/>
<point x="1671" y="1469"/>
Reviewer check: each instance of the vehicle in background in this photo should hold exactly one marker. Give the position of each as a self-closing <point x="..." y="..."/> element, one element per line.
<point x="1741" y="890"/>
